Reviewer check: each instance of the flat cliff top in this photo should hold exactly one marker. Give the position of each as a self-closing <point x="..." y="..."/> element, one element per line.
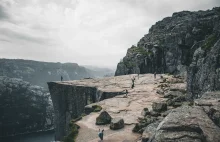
<point x="129" y="108"/>
<point x="112" y="84"/>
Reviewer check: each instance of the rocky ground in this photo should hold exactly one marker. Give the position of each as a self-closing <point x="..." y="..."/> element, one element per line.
<point x="129" y="108"/>
<point x="155" y="110"/>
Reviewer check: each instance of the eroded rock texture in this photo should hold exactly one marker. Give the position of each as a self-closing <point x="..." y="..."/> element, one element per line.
<point x="186" y="43"/>
<point x="24" y="108"/>
<point x="189" y="124"/>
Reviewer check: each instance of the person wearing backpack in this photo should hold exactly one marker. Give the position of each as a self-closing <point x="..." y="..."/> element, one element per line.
<point x="100" y="134"/>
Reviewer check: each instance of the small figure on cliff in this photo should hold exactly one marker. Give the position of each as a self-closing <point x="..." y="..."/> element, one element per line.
<point x="100" y="134"/>
<point x="155" y="74"/>
<point x="61" y="78"/>
<point x="133" y="79"/>
<point x="126" y="92"/>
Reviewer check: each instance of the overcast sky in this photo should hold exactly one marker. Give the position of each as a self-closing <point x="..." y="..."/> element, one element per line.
<point x="87" y="32"/>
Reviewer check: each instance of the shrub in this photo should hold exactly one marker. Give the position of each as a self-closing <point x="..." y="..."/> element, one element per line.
<point x="209" y="42"/>
<point x="73" y="132"/>
<point x="96" y="108"/>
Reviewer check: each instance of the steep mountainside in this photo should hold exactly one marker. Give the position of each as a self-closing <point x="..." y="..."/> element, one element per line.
<point x="187" y="41"/>
<point x="38" y="73"/>
<point x="24" y="108"/>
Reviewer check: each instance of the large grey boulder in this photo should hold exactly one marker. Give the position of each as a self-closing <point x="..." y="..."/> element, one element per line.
<point x="210" y="102"/>
<point x="187" y="124"/>
<point x="149" y="131"/>
<point x="103" y="118"/>
<point x="117" y="123"/>
<point x="159" y="107"/>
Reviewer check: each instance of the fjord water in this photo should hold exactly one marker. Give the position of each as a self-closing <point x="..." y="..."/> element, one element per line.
<point x="33" y="137"/>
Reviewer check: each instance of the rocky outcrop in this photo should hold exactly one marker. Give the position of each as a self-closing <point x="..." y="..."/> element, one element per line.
<point x="186" y="43"/>
<point x="210" y="102"/>
<point x="204" y="71"/>
<point x="170" y="43"/>
<point x="70" y="98"/>
<point x="24" y="108"/>
<point x="189" y="124"/>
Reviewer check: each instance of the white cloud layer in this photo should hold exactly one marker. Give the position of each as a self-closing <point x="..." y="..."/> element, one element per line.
<point x="92" y="32"/>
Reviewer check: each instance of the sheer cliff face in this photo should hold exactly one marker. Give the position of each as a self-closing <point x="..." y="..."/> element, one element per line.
<point x="170" y="44"/>
<point x="24" y="108"/>
<point x="69" y="102"/>
<point x="185" y="41"/>
<point x="70" y="97"/>
<point x="38" y="73"/>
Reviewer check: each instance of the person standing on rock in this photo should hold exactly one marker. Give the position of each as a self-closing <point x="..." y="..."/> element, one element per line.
<point x="61" y="78"/>
<point x="155" y="74"/>
<point x="126" y="92"/>
<point x="101" y="134"/>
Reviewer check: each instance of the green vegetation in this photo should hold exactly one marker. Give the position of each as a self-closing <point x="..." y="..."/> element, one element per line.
<point x="140" y="50"/>
<point x="73" y="131"/>
<point x="129" y="64"/>
<point x="209" y="42"/>
<point x="96" y="108"/>
<point x="83" y="114"/>
<point x="76" y="119"/>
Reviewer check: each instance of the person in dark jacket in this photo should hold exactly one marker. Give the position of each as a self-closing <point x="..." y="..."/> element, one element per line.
<point x="101" y="134"/>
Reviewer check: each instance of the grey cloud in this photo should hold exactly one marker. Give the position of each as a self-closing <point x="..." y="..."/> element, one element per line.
<point x="3" y="14"/>
<point x="22" y="36"/>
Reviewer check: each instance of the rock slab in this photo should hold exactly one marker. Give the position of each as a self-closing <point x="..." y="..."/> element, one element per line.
<point x="117" y="123"/>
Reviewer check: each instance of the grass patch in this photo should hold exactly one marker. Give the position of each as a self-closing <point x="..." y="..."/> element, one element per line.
<point x="74" y="130"/>
<point x="129" y="64"/>
<point x="96" y="108"/>
<point x="140" y="50"/>
<point x="209" y="42"/>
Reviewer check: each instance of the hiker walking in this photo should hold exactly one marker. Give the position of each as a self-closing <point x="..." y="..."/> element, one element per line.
<point x="155" y="74"/>
<point x="100" y="134"/>
<point x="132" y="85"/>
<point x="126" y="92"/>
<point x="61" y="78"/>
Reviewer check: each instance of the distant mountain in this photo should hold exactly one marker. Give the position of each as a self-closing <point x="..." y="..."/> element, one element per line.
<point x="39" y="73"/>
<point x="99" y="72"/>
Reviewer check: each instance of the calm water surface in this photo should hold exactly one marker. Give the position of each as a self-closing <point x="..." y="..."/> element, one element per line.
<point x="34" y="137"/>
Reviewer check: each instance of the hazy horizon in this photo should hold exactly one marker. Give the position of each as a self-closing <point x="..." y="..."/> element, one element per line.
<point x="96" y="33"/>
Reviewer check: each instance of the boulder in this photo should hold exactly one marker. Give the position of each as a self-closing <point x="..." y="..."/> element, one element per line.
<point x="143" y="122"/>
<point x="117" y="123"/>
<point x="187" y="124"/>
<point x="159" y="107"/>
<point x="103" y="118"/>
<point x="210" y="103"/>
<point x="149" y="131"/>
<point x="173" y="94"/>
<point x="145" y="112"/>
<point x="154" y="113"/>
<point x="92" y="108"/>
